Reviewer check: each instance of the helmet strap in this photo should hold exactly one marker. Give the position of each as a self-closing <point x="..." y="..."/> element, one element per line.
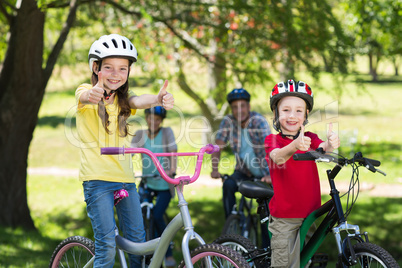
<point x="291" y="136"/>
<point x="107" y="96"/>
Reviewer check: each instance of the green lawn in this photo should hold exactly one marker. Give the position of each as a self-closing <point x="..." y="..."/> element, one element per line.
<point x="367" y="120"/>
<point x="59" y="211"/>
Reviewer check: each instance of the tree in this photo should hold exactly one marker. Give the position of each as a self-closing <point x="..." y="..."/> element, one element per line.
<point x="375" y="24"/>
<point x="23" y="80"/>
<point x="240" y="43"/>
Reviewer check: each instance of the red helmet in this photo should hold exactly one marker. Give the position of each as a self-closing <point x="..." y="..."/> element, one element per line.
<point x="292" y="88"/>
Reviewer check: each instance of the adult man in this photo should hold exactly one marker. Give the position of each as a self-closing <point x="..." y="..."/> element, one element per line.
<point x="245" y="131"/>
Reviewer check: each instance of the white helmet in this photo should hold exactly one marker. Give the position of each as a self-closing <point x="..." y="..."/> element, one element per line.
<point x="111" y="45"/>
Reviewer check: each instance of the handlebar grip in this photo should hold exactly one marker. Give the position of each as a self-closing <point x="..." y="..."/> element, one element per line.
<point x="304" y="157"/>
<point x="375" y="163"/>
<point x="212" y="149"/>
<point x="112" y="150"/>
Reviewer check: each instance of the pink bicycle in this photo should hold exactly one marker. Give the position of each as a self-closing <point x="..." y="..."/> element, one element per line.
<point x="78" y="251"/>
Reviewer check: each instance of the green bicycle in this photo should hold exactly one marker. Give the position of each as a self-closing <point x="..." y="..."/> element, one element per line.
<point x="354" y="248"/>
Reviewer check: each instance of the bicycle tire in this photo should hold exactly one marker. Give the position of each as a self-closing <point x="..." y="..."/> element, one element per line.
<point x="255" y="257"/>
<point x="232" y="225"/>
<point x="220" y="255"/>
<point x="148" y="224"/>
<point x="252" y="229"/>
<point x="74" y="251"/>
<point x="371" y="255"/>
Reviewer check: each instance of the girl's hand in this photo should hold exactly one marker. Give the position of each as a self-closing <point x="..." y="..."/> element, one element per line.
<point x="332" y="138"/>
<point x="302" y="143"/>
<point x="95" y="94"/>
<point x="165" y="99"/>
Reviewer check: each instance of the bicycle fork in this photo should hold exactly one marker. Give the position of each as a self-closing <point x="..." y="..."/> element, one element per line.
<point x="345" y="247"/>
<point x="188" y="227"/>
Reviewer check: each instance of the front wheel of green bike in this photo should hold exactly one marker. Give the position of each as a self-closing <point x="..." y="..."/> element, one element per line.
<point x="371" y="255"/>
<point x="75" y="251"/>
<point x="215" y="255"/>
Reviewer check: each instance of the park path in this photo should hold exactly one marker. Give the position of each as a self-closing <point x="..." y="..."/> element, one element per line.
<point x="373" y="189"/>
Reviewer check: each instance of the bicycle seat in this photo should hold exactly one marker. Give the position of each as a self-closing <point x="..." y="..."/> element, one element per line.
<point x="256" y="189"/>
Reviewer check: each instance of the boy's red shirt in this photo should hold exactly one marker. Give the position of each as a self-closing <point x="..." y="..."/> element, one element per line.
<point x="296" y="183"/>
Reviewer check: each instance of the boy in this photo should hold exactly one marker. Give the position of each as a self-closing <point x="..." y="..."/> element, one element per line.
<point x="296" y="183"/>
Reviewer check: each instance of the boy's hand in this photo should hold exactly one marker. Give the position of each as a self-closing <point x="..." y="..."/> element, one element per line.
<point x="165" y="99"/>
<point x="302" y="143"/>
<point x="332" y="138"/>
<point x="267" y="179"/>
<point x="95" y="94"/>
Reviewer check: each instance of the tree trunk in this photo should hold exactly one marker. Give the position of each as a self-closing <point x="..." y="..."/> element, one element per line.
<point x="373" y="67"/>
<point x="396" y="63"/>
<point x="217" y="83"/>
<point x="21" y="84"/>
<point x="22" y="87"/>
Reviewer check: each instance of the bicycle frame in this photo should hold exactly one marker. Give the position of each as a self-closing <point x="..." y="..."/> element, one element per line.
<point x="159" y="246"/>
<point x="334" y="220"/>
<point x="333" y="209"/>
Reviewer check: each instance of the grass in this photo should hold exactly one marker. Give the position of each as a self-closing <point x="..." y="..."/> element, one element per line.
<point x="58" y="209"/>
<point x="367" y="119"/>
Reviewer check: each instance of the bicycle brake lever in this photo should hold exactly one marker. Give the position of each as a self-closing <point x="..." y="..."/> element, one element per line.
<point x="381" y="172"/>
<point x="369" y="166"/>
<point x="322" y="160"/>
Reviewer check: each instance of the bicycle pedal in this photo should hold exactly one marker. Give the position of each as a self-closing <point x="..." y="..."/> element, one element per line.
<point x="319" y="260"/>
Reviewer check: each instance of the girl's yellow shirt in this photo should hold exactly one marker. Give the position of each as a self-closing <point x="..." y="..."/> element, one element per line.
<point x="92" y="137"/>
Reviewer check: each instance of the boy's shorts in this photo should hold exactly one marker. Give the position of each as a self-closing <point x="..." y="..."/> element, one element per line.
<point x="285" y="242"/>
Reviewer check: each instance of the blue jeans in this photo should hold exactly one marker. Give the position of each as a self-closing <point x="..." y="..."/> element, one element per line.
<point x="100" y="203"/>
<point x="230" y="187"/>
<point x="161" y="204"/>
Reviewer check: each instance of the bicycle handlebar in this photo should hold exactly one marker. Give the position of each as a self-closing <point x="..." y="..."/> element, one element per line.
<point x="322" y="157"/>
<point x="209" y="149"/>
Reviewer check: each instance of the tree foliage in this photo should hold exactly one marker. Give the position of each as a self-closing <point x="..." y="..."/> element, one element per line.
<point x="207" y="47"/>
<point x="375" y="26"/>
<point x="236" y="43"/>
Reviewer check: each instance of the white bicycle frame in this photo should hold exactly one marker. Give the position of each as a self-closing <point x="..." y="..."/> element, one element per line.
<point x="159" y="246"/>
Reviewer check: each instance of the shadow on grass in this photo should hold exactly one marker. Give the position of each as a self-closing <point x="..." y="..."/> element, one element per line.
<point x="20" y="248"/>
<point x="382" y="151"/>
<point x="380" y="217"/>
<point x="54" y="121"/>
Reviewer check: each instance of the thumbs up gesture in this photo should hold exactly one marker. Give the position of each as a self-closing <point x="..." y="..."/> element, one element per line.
<point x="302" y="142"/>
<point x="332" y="138"/>
<point x="165" y="99"/>
<point x="95" y="94"/>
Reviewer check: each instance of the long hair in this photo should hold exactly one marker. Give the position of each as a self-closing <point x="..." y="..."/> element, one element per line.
<point x="123" y="105"/>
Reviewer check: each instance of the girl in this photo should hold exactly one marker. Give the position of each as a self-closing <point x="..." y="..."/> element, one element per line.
<point x="158" y="140"/>
<point x="102" y="112"/>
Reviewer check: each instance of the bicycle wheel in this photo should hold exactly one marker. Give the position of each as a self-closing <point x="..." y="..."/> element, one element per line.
<point x="148" y="224"/>
<point x="232" y="225"/>
<point x="254" y="256"/>
<point x="235" y="225"/>
<point x="216" y="255"/>
<point x="251" y="230"/>
<point x="74" y="251"/>
<point x="371" y="255"/>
